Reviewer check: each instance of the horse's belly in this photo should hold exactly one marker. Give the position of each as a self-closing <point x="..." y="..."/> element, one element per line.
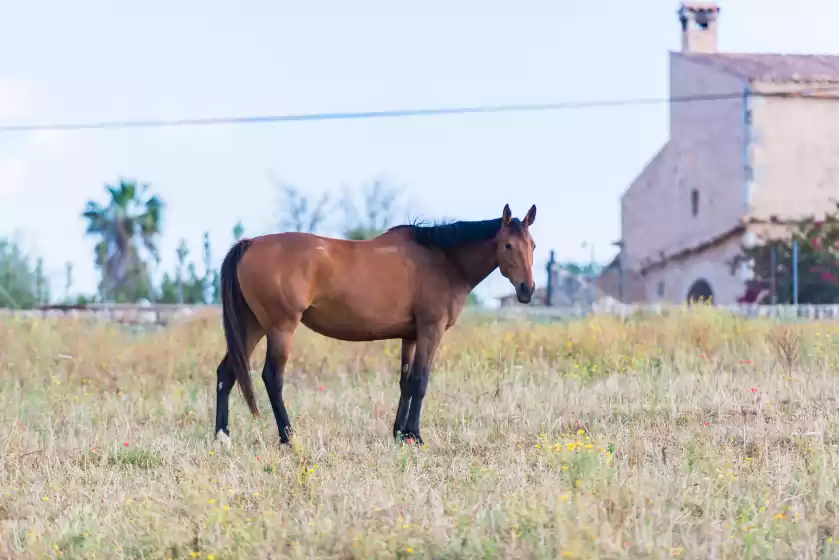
<point x="338" y="320"/>
<point x="369" y="297"/>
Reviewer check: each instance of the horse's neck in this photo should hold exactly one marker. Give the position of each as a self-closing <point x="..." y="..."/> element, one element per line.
<point x="475" y="261"/>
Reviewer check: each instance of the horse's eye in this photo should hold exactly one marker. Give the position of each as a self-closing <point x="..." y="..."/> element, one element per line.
<point x="508" y="246"/>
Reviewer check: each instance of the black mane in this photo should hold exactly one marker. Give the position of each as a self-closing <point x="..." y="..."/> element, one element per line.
<point x="454" y="234"/>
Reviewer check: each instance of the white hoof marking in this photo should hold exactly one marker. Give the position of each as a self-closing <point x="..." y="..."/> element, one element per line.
<point x="223" y="438"/>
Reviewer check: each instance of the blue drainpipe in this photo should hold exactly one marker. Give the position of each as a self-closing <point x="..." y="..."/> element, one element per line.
<point x="748" y="173"/>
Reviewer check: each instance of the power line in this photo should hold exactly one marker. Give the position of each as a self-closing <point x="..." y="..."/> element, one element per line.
<point x="444" y="111"/>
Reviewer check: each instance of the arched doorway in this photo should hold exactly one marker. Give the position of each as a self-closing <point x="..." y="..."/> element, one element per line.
<point x="700" y="291"/>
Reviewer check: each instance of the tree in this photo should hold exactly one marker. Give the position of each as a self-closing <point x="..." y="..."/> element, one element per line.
<point x="40" y="281"/>
<point x="68" y="280"/>
<point x="189" y="288"/>
<point x="22" y="284"/>
<point x="182" y="253"/>
<point x="297" y="211"/>
<point x="379" y="203"/>
<point x="212" y="278"/>
<point x="576" y="269"/>
<point x="238" y="231"/>
<point x="127" y="228"/>
<point x="818" y="263"/>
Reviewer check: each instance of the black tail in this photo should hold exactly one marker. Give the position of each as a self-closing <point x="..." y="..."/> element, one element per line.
<point x="234" y="310"/>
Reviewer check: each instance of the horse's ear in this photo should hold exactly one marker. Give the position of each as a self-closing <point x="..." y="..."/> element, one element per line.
<point x="531" y="216"/>
<point x="506" y="216"/>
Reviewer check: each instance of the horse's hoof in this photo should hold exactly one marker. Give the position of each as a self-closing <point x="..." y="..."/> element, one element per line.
<point x="411" y="439"/>
<point x="223" y="439"/>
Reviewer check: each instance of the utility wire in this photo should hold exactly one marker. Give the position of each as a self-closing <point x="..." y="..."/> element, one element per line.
<point x="302" y="117"/>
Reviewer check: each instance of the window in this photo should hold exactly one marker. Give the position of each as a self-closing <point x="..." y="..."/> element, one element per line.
<point x="660" y="288"/>
<point x="694" y="202"/>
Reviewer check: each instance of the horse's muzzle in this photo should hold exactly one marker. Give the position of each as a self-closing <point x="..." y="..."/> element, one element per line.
<point x="524" y="293"/>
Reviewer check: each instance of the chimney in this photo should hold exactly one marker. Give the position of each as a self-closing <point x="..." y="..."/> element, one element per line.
<point x="699" y="27"/>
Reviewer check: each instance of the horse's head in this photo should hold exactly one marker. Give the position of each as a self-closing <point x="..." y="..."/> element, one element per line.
<point x="515" y="252"/>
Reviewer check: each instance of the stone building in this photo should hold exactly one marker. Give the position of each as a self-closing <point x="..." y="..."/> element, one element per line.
<point x="755" y="147"/>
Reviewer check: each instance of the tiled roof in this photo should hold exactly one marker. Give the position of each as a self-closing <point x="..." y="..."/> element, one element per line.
<point x="773" y="67"/>
<point x="701" y="6"/>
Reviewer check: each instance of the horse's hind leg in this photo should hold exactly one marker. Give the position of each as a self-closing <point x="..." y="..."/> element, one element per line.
<point x="225" y="380"/>
<point x="279" y="347"/>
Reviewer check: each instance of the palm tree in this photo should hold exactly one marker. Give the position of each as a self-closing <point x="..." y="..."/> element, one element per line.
<point x="127" y="227"/>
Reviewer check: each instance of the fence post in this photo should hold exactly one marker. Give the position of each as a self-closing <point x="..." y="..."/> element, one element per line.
<point x="795" y="272"/>
<point x="549" y="285"/>
<point x="773" y="259"/>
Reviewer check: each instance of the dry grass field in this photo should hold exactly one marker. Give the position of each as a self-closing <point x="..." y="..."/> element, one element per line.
<point x="691" y="436"/>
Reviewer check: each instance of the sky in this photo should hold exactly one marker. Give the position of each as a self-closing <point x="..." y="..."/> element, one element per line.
<point x="101" y="60"/>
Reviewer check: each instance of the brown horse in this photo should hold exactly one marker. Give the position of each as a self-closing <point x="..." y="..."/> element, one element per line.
<point x="411" y="283"/>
